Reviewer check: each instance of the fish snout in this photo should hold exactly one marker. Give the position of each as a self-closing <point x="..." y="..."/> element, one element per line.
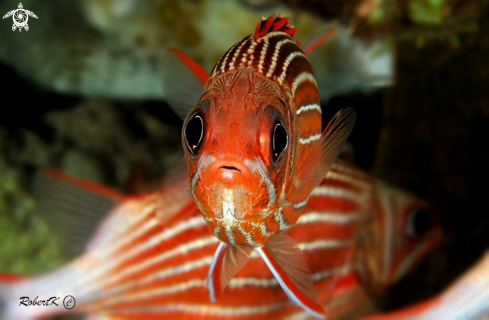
<point x="230" y="172"/>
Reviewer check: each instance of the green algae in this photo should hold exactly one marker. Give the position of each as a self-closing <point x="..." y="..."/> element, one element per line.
<point x="28" y="246"/>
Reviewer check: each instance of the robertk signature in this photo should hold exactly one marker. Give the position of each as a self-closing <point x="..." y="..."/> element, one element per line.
<point x="69" y="302"/>
<point x="26" y="301"/>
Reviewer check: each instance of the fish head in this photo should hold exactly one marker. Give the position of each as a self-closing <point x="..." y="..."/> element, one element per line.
<point x="237" y="147"/>
<point x="404" y="230"/>
<point x="254" y="145"/>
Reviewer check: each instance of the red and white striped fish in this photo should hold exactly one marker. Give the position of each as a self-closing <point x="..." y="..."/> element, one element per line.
<point x="255" y="152"/>
<point x="149" y="256"/>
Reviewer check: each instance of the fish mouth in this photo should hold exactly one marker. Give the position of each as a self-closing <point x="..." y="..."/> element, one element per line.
<point x="230" y="172"/>
<point x="232" y="166"/>
<point x="229" y="168"/>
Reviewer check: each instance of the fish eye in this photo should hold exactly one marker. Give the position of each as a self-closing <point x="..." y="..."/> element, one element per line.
<point x="419" y="222"/>
<point x="194" y="132"/>
<point x="280" y="140"/>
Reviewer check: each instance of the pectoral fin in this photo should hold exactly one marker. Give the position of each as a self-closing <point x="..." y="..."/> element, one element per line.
<point x="320" y="159"/>
<point x="227" y="261"/>
<point x="287" y="264"/>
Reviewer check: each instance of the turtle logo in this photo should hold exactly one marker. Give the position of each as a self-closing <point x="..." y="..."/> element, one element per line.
<point x="20" y="17"/>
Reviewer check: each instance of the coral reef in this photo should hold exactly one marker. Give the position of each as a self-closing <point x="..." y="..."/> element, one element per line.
<point x="114" y="48"/>
<point x="117" y="144"/>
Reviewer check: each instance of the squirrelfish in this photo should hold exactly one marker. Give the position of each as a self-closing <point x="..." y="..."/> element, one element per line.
<point x="255" y="152"/>
<point x="148" y="255"/>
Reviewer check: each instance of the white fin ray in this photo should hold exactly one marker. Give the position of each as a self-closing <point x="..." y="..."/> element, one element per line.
<point x="227" y="261"/>
<point x="286" y="261"/>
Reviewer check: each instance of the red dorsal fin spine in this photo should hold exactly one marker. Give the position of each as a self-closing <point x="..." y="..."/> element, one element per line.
<point x="317" y="42"/>
<point x="274" y="23"/>
<point x="197" y="70"/>
<point x="83" y="184"/>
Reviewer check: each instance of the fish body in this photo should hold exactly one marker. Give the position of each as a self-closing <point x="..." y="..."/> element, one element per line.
<point x="150" y="255"/>
<point x="255" y="152"/>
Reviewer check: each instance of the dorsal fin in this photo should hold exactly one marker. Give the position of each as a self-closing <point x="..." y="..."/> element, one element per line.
<point x="73" y="207"/>
<point x="197" y="70"/>
<point x="183" y="81"/>
<point x="313" y="43"/>
<point x="274" y="23"/>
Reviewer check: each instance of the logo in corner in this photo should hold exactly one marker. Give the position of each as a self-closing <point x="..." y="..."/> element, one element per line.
<point x="20" y="17"/>
<point x="69" y="302"/>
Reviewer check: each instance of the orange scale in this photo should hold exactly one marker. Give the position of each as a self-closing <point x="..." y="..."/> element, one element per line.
<point x="168" y="263"/>
<point x="306" y="92"/>
<point x="149" y="234"/>
<point x="250" y="295"/>
<point x="320" y="260"/>
<point x="342" y="185"/>
<point x="309" y="123"/>
<point x="189" y="210"/>
<point x="305" y="233"/>
<point x="137" y="226"/>
<point x="331" y="204"/>
<point x="150" y="254"/>
<point x="271" y="224"/>
<point x="221" y="235"/>
<point x="192" y="296"/>
<point x="238" y="236"/>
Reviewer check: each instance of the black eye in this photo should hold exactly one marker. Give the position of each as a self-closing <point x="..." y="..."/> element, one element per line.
<point x="419" y="222"/>
<point x="194" y="131"/>
<point x="280" y="140"/>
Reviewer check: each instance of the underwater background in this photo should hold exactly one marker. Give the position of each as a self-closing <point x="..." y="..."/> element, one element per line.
<point x="82" y="93"/>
